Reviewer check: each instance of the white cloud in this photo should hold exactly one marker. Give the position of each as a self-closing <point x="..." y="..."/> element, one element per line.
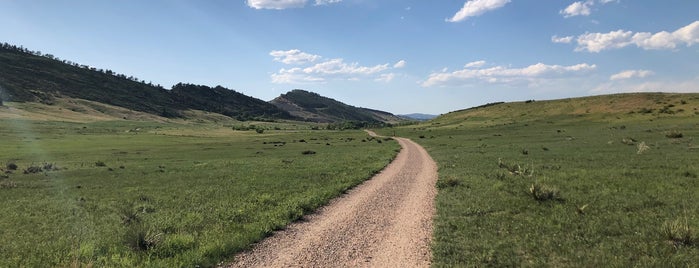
<point x="293" y="56"/>
<point x="577" y="9"/>
<point x="628" y="74"/>
<point x="563" y="40"/>
<point x="276" y="4"/>
<point x="474" y="8"/>
<point x="315" y="70"/>
<point x="284" y="4"/>
<point x="501" y="74"/>
<point x="475" y="64"/>
<point x="596" y="42"/>
<point x="326" y="2"/>
<point x="386" y="77"/>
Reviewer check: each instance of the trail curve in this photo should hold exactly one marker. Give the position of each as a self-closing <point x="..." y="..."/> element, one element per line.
<point x="384" y="222"/>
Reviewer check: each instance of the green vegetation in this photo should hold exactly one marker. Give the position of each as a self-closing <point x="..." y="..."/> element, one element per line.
<point x="125" y="193"/>
<point x="316" y="108"/>
<point x="31" y="76"/>
<point x="576" y="182"/>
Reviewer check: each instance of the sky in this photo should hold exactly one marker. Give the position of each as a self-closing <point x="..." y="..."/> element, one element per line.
<point x="400" y="56"/>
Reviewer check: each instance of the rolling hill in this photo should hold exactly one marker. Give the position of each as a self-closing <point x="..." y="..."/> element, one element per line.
<point x="29" y="76"/>
<point x="629" y="106"/>
<point x="316" y="108"/>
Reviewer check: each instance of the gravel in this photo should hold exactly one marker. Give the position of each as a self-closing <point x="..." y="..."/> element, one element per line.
<point x="384" y="222"/>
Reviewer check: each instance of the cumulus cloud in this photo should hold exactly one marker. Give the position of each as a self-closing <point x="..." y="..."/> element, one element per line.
<point x="563" y="40"/>
<point x="284" y="4"/>
<point x="316" y="69"/>
<point x="474" y="8"/>
<point x="577" y="9"/>
<point x="582" y="8"/>
<point x="400" y="64"/>
<point x="628" y="74"/>
<point x="502" y="74"/>
<point x="293" y="56"/>
<point x="596" y="42"/>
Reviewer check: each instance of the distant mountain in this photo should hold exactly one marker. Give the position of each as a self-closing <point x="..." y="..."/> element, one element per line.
<point x="29" y="76"/>
<point x="316" y="108"/>
<point x="419" y="117"/>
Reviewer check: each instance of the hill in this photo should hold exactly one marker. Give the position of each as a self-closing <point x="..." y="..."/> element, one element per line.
<point x="629" y="106"/>
<point x="316" y="108"/>
<point x="29" y="76"/>
<point x="226" y="102"/>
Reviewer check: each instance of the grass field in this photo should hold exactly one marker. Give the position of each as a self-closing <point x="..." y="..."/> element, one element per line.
<point x="567" y="183"/>
<point x="125" y="194"/>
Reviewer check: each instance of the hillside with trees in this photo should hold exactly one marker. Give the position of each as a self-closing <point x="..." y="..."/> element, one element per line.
<point x="31" y="76"/>
<point x="316" y="108"/>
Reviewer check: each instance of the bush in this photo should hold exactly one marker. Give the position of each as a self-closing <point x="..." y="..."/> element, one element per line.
<point x="542" y="192"/>
<point x="11" y="166"/>
<point x="448" y="183"/>
<point x="33" y="169"/>
<point x="678" y="233"/>
<point x="141" y="238"/>
<point x="674" y="134"/>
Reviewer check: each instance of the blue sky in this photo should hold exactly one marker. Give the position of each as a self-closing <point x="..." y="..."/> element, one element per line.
<point x="401" y="56"/>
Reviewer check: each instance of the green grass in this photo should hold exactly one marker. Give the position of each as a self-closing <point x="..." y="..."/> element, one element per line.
<point x="167" y="195"/>
<point x="598" y="201"/>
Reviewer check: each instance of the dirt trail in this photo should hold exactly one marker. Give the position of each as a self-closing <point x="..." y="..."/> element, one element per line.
<point x="384" y="222"/>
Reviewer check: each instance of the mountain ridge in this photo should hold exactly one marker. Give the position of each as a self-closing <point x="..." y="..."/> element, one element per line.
<point x="313" y="107"/>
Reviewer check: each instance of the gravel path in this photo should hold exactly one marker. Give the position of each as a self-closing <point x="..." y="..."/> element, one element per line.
<point x="384" y="222"/>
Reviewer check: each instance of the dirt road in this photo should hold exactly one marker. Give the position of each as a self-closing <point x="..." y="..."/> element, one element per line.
<point x="384" y="222"/>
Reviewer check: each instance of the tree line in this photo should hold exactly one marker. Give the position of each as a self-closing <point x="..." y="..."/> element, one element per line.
<point x="21" y="49"/>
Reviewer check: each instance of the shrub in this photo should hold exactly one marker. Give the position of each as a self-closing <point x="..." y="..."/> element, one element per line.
<point x="448" y="183"/>
<point x="674" y="134"/>
<point x="141" y="238"/>
<point x="678" y="233"/>
<point x="11" y="166"/>
<point x="33" y="169"/>
<point x="516" y="169"/>
<point x="542" y="192"/>
<point x="628" y="141"/>
<point x="642" y="147"/>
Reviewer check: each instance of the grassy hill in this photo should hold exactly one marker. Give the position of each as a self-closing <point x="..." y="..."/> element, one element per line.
<point x="631" y="106"/>
<point x="596" y="181"/>
<point x="314" y="107"/>
<point x="28" y="76"/>
<point x="227" y="102"/>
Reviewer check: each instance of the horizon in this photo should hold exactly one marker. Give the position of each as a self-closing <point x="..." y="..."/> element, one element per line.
<point x="403" y="57"/>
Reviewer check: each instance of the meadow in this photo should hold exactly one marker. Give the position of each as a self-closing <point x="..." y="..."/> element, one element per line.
<point x="567" y="183"/>
<point x="127" y="193"/>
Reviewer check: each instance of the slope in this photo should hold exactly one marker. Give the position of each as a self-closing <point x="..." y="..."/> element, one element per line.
<point x="314" y="107"/>
<point x="29" y="76"/>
